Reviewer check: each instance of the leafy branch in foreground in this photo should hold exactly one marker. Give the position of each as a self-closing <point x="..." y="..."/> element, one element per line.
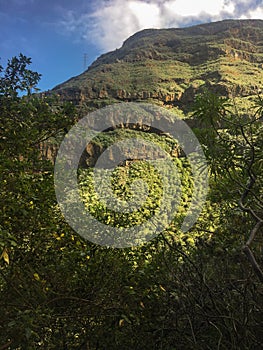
<point x="233" y="146"/>
<point x="58" y="291"/>
<point x="17" y="77"/>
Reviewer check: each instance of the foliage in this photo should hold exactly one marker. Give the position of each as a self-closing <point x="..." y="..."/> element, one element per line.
<point x="148" y="194"/>
<point x="17" y="77"/>
<point x="27" y="196"/>
<point x="234" y="149"/>
<point x="179" y="291"/>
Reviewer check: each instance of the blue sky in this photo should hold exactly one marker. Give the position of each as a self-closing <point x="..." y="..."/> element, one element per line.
<point x="56" y="34"/>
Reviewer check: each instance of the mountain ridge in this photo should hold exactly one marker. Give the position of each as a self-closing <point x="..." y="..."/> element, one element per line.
<point x="169" y="66"/>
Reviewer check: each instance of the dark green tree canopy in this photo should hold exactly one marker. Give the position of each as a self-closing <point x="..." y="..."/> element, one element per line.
<point x="16" y="77"/>
<point x="193" y="290"/>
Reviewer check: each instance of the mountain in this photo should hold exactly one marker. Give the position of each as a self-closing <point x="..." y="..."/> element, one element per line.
<point x="169" y="66"/>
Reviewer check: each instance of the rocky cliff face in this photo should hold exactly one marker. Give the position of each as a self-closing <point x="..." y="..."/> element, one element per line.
<point x="169" y="66"/>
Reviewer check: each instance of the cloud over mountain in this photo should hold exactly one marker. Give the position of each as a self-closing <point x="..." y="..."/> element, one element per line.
<point x="112" y="21"/>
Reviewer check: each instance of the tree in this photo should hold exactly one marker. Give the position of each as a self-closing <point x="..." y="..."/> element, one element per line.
<point x="58" y="291"/>
<point x="27" y="199"/>
<point x="233" y="145"/>
<point x="17" y="77"/>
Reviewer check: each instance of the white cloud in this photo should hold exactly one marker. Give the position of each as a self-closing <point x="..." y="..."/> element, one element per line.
<point x="148" y="15"/>
<point x="255" y="14"/>
<point x="194" y="8"/>
<point x="113" y="21"/>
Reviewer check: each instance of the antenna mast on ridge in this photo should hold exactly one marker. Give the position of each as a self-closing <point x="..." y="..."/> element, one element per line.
<point x="85" y="59"/>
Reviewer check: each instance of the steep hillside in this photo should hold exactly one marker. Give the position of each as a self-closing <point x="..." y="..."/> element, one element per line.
<point x="169" y="66"/>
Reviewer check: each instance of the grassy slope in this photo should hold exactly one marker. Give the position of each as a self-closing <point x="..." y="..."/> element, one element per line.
<point x="168" y="66"/>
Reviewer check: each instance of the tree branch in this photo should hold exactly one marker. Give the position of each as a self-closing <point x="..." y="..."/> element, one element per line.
<point x="253" y="262"/>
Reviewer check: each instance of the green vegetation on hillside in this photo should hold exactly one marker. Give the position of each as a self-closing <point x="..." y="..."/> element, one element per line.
<point x="170" y="66"/>
<point x="179" y="291"/>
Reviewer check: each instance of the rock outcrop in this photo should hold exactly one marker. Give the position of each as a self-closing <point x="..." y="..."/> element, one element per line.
<point x="170" y="66"/>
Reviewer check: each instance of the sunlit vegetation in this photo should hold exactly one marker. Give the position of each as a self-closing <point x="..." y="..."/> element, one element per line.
<point x="199" y="290"/>
<point x="170" y="66"/>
